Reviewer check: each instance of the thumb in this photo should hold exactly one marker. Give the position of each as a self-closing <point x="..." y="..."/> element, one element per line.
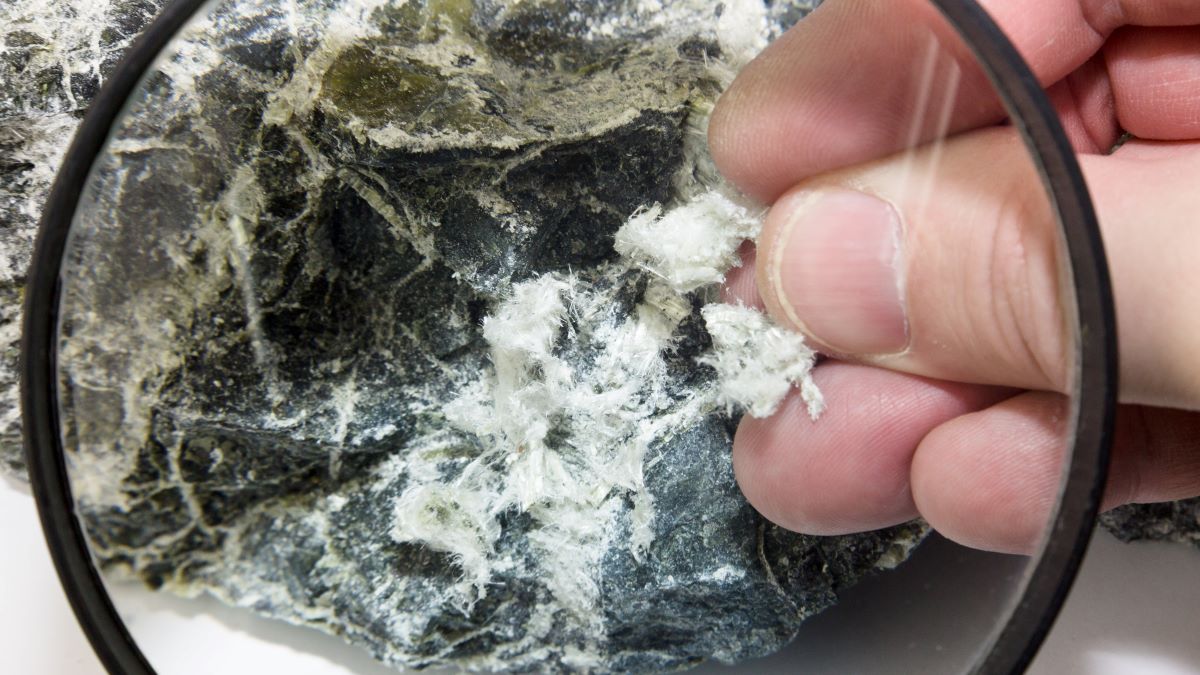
<point x="945" y="263"/>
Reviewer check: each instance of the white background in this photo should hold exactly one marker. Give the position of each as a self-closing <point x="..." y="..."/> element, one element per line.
<point x="1135" y="610"/>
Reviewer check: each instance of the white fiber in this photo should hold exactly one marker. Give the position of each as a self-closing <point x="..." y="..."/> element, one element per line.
<point x="565" y="437"/>
<point x="689" y="246"/>
<point x="579" y="392"/>
<point x="453" y="521"/>
<point x="757" y="362"/>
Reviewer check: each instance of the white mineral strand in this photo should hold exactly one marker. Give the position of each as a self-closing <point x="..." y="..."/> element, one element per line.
<point x="453" y="521"/>
<point x="563" y="440"/>
<point x="691" y="245"/>
<point x="757" y="361"/>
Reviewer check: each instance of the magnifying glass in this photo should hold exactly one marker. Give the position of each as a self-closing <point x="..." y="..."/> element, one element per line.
<point x="402" y="321"/>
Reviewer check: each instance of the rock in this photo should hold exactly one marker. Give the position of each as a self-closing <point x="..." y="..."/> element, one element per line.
<point x="346" y="340"/>
<point x="1169" y="521"/>
<point x="279" y="384"/>
<point x="53" y="56"/>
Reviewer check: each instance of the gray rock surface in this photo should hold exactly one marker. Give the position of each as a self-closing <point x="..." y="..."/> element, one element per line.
<point x="322" y="261"/>
<point x="277" y="306"/>
<point x="1170" y="521"/>
<point x="53" y="56"/>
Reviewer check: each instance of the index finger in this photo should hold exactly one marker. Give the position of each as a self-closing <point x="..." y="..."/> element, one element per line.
<point x="861" y="79"/>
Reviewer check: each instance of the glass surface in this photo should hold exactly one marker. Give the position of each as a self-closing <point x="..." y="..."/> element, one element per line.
<point x="277" y="385"/>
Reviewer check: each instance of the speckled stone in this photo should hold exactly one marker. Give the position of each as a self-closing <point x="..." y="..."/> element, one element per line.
<point x="53" y="56"/>
<point x="1170" y="521"/>
<point x="276" y="294"/>
<point x="281" y="283"/>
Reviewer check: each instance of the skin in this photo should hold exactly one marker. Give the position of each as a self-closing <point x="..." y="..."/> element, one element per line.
<point x="948" y="400"/>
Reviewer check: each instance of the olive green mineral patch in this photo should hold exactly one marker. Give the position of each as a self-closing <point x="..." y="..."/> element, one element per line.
<point x="424" y="21"/>
<point x="380" y="87"/>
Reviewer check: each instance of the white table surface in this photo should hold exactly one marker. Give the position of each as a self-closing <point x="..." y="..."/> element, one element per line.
<point x="1135" y="610"/>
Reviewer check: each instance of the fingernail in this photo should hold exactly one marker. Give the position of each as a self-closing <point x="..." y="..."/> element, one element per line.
<point x="836" y="269"/>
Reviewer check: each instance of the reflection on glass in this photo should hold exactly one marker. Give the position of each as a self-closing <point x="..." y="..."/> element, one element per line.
<point x="402" y="321"/>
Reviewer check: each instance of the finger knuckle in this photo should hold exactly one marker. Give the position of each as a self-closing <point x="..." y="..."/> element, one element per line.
<point x="1025" y="299"/>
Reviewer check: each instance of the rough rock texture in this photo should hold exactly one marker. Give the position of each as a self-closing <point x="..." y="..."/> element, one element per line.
<point x="54" y="54"/>
<point x="1170" y="521"/>
<point x="278" y="323"/>
<point x="347" y="342"/>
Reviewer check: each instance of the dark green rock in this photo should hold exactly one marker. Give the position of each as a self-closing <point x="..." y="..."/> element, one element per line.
<point x="385" y="206"/>
<point x="1169" y="521"/>
<point x="277" y="288"/>
<point x="53" y="56"/>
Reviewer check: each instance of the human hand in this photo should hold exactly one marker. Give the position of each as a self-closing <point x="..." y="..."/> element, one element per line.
<point x="949" y="395"/>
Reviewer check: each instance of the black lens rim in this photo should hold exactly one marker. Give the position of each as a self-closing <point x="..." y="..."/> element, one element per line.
<point x="1045" y="586"/>
<point x="44" y="454"/>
